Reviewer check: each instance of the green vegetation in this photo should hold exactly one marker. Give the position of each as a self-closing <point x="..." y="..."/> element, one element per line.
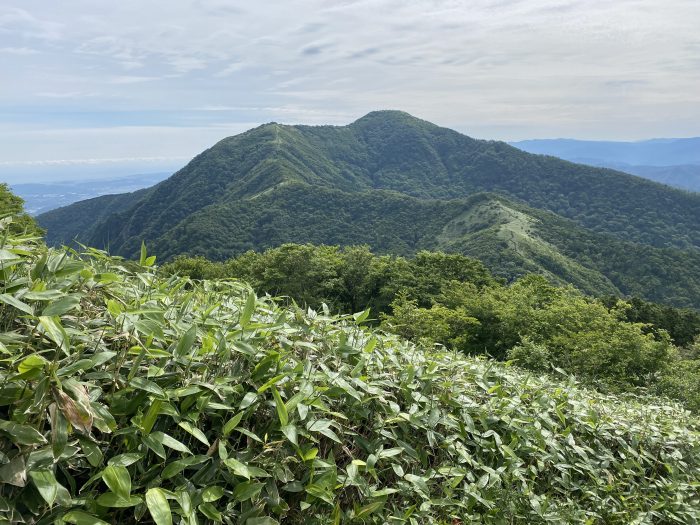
<point x="125" y="397"/>
<point x="452" y="300"/>
<point x="402" y="185"/>
<point x="683" y="325"/>
<point x="70" y="222"/>
<point x="13" y="206"/>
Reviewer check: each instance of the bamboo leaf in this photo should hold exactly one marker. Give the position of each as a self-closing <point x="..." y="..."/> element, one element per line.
<point x="118" y="480"/>
<point x="61" y="306"/>
<point x="31" y="366"/>
<point x="247" y="490"/>
<point x="184" y="345"/>
<point x="248" y="310"/>
<point x="14" y="472"/>
<point x="22" y="434"/>
<point x="110" y="499"/>
<point x="170" y="442"/>
<point x="194" y="431"/>
<point x="78" y="517"/>
<point x="46" y="484"/>
<point x="13" y="301"/>
<point x="232" y="423"/>
<point x="148" y="386"/>
<point x="281" y="408"/>
<point x="159" y="507"/>
<point x="55" y="331"/>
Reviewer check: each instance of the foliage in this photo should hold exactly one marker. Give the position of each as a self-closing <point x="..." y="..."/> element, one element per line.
<point x="131" y="397"/>
<point x="436" y="325"/>
<point x="447" y="299"/>
<point x="13" y="206"/>
<point x="578" y="334"/>
<point x="400" y="185"/>
<point x="682" y="381"/>
<point x="682" y="324"/>
<point x="347" y="279"/>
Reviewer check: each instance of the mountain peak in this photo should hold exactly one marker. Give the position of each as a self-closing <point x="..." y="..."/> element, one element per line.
<point x="389" y="116"/>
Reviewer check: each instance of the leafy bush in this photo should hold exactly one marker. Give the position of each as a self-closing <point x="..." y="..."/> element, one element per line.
<point x="126" y="397"/>
<point x="531" y="355"/>
<point x="453" y="300"/>
<point x="12" y="209"/>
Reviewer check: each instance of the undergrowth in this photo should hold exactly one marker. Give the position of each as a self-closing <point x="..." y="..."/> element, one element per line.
<point x="130" y="397"/>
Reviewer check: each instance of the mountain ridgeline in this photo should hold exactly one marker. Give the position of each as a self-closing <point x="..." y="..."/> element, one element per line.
<point x="675" y="162"/>
<point x="400" y="184"/>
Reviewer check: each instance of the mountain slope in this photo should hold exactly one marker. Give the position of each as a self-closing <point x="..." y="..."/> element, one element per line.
<point x="70" y="222"/>
<point x="399" y="184"/>
<point x="685" y="176"/>
<point x="656" y="152"/>
<point x="675" y="162"/>
<point x="128" y="397"/>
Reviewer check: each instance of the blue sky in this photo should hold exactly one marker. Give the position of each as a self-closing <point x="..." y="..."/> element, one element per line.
<point x="93" y="87"/>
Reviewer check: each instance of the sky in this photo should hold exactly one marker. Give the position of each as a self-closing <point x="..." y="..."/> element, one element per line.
<point x="97" y="88"/>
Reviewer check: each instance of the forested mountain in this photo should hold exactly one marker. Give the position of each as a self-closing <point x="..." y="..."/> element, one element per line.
<point x="132" y="393"/>
<point x="675" y="162"/>
<point x="400" y="184"/>
<point x="685" y="176"/>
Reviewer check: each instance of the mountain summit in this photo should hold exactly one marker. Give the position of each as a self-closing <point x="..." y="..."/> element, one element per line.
<point x="401" y="184"/>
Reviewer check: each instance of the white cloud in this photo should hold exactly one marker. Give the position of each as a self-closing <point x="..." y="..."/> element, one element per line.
<point x="18" y="51"/>
<point x="493" y="68"/>
<point x="131" y="79"/>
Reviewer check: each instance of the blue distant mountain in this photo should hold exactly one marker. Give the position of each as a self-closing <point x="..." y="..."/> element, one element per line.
<point x="675" y="162"/>
<point x="655" y="152"/>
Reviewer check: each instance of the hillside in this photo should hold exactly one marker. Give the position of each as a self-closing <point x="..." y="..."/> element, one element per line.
<point x="41" y="197"/>
<point x="69" y="223"/>
<point x="655" y="152"/>
<point x="675" y="162"/>
<point x="685" y="176"/>
<point x="131" y="397"/>
<point x="400" y="184"/>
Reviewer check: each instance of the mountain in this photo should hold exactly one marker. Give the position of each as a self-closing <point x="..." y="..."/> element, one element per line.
<point x="675" y="162"/>
<point x="401" y="184"/>
<point x="655" y="152"/>
<point x="684" y="176"/>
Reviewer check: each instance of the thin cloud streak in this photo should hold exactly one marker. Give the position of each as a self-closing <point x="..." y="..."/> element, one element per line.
<point x="76" y="162"/>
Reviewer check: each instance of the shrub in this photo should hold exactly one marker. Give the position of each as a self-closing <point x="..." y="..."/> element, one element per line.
<point x="125" y="397"/>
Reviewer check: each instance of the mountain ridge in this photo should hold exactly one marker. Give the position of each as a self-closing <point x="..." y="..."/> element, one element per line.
<point x="324" y="181"/>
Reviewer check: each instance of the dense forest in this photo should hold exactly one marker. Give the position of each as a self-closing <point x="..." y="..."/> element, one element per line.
<point x="454" y="301"/>
<point x="129" y="393"/>
<point x="401" y="185"/>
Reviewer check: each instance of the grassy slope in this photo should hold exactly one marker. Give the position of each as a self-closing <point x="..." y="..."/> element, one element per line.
<point x="201" y="400"/>
<point x="511" y="240"/>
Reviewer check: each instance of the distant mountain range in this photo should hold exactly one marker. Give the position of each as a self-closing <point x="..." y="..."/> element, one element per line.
<point x="675" y="162"/>
<point x="40" y="197"/>
<point x="401" y="184"/>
